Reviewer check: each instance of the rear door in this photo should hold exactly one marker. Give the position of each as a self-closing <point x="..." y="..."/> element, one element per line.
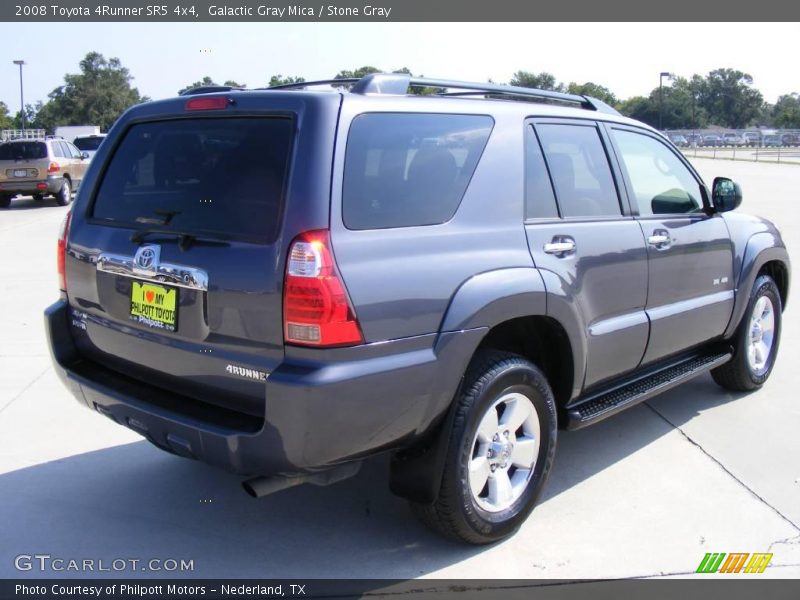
<point x="176" y="261"/>
<point x="690" y="292"/>
<point x="587" y="246"/>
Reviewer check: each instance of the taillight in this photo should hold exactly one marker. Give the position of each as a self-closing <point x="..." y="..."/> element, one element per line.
<point x="53" y="168"/>
<point x="207" y="103"/>
<point x="61" y="257"/>
<point x="316" y="309"/>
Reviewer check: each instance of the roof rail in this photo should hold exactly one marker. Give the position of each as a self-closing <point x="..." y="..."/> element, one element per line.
<point x="304" y="84"/>
<point x="209" y="89"/>
<point x="398" y="83"/>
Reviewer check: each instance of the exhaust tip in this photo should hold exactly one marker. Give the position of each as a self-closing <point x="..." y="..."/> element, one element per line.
<point x="249" y="489"/>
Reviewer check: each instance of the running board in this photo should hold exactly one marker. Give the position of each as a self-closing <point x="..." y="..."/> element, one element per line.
<point x="600" y="405"/>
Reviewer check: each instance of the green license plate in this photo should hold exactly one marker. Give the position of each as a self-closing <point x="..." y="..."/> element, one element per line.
<point x="154" y="305"/>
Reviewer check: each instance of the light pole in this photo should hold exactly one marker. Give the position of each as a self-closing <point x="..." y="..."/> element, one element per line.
<point x="661" y="98"/>
<point x="21" y="97"/>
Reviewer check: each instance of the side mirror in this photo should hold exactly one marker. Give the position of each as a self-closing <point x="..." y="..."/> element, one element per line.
<point x="84" y="155"/>
<point x="726" y="194"/>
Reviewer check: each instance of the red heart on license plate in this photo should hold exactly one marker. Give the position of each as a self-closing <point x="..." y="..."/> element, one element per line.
<point x="149" y="295"/>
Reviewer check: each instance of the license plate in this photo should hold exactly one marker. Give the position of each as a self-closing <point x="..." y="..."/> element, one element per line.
<point x="21" y="173"/>
<point x="154" y="305"/>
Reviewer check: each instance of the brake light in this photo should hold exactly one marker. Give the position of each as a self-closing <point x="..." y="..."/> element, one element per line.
<point x="316" y="309"/>
<point x="53" y="168"/>
<point x="206" y="103"/>
<point x="61" y="256"/>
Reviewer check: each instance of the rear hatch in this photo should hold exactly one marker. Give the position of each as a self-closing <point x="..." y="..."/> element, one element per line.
<point x="22" y="162"/>
<point x="177" y="246"/>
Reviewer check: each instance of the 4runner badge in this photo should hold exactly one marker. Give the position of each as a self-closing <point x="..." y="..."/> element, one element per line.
<point x="247" y="373"/>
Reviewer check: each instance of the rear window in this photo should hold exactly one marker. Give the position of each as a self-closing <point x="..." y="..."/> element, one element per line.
<point x="23" y="151"/>
<point x="409" y="169"/>
<point x="218" y="177"/>
<point x="88" y="143"/>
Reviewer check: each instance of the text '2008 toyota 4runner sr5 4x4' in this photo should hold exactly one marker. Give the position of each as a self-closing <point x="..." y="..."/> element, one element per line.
<point x="283" y="282"/>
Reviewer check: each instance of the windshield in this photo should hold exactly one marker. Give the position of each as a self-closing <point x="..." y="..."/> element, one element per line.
<point x="88" y="143"/>
<point x="218" y="177"/>
<point x="23" y="151"/>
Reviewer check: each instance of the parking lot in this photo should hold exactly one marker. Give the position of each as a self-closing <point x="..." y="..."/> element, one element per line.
<point x="644" y="494"/>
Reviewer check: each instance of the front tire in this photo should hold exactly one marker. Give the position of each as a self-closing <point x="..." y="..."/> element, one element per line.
<point x="500" y="452"/>
<point x="64" y="195"/>
<point x="756" y="341"/>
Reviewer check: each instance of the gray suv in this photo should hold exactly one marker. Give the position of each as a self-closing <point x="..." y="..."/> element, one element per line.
<point x="283" y="282"/>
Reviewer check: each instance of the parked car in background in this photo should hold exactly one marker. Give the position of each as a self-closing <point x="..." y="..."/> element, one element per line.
<point x="772" y="141"/>
<point x="712" y="140"/>
<point x="694" y="139"/>
<point x="752" y="139"/>
<point x="790" y="139"/>
<point x="733" y="139"/>
<point x="89" y="143"/>
<point x="40" y="167"/>
<point x="678" y="139"/>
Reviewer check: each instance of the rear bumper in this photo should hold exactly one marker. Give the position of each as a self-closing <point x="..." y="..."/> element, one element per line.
<point x="50" y="185"/>
<point x="317" y="415"/>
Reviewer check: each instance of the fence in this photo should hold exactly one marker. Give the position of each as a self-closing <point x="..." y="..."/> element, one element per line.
<point x="21" y="134"/>
<point x="757" y="145"/>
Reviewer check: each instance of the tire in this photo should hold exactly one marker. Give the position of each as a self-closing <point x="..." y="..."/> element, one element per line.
<point x="38" y="197"/>
<point x="756" y="341"/>
<point x="64" y="195"/>
<point x="495" y="383"/>
<point x="5" y="201"/>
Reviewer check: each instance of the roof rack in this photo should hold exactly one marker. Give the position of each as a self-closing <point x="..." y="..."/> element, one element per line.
<point x="398" y="84"/>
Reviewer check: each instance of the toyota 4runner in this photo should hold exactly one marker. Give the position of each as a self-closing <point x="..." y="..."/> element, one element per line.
<point x="283" y="282"/>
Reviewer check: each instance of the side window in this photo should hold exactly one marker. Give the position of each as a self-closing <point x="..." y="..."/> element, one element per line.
<point x="580" y="170"/>
<point x="409" y="169"/>
<point x="540" y="202"/>
<point x="73" y="151"/>
<point x="58" y="150"/>
<point x="662" y="185"/>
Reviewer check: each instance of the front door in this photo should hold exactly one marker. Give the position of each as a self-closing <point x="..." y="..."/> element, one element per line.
<point x="690" y="254"/>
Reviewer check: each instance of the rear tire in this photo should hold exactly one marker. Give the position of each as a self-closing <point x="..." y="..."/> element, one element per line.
<point x="500" y="452"/>
<point x="756" y="341"/>
<point x="5" y="201"/>
<point x="64" y="195"/>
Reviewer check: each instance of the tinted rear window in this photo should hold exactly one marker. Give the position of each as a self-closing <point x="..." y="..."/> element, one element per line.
<point x="89" y="143"/>
<point x="218" y="177"/>
<point x="23" y="151"/>
<point x="407" y="169"/>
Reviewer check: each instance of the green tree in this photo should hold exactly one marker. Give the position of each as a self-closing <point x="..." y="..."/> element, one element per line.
<point x="541" y="81"/>
<point x="287" y="80"/>
<point x="594" y="90"/>
<point x="786" y="111"/>
<point x="207" y="81"/>
<point x="97" y="95"/>
<point x="729" y="98"/>
<point x="6" y="121"/>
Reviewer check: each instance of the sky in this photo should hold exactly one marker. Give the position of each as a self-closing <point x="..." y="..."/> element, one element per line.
<point x="625" y="57"/>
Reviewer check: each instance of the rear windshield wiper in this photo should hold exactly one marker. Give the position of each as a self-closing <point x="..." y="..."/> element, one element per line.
<point x="185" y="240"/>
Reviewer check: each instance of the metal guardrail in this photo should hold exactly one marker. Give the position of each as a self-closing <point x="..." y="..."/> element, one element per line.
<point x="21" y="134"/>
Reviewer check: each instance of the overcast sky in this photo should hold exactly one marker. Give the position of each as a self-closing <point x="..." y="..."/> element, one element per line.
<point x="627" y="58"/>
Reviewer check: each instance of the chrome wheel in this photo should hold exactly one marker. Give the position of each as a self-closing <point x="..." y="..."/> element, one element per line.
<point x="504" y="452"/>
<point x="761" y="335"/>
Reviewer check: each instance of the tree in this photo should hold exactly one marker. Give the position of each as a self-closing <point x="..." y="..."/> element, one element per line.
<point x="357" y="74"/>
<point x="207" y="81"/>
<point x="594" y="90"/>
<point x="729" y="99"/>
<point x="786" y="112"/>
<point x="281" y="80"/>
<point x="542" y="81"/>
<point x="6" y="121"/>
<point x="97" y="95"/>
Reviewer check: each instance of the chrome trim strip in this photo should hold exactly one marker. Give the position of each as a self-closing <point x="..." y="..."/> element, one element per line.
<point x="167" y="273"/>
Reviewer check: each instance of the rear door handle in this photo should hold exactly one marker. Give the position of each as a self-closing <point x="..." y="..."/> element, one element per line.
<point x="561" y="245"/>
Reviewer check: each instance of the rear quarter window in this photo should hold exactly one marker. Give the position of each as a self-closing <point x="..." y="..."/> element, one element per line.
<point x="409" y="169"/>
<point x="218" y="177"/>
